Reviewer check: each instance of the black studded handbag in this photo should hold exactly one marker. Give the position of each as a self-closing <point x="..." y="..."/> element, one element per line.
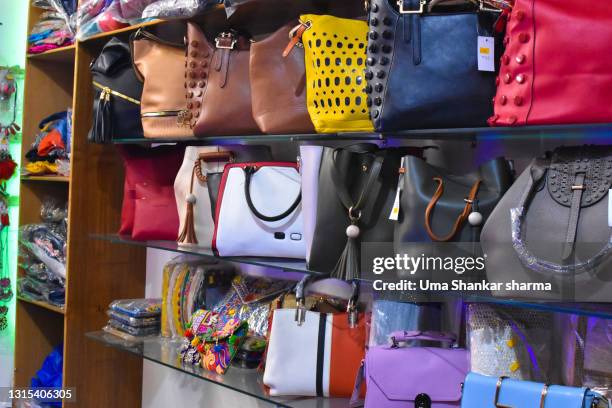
<point x="422" y="66"/>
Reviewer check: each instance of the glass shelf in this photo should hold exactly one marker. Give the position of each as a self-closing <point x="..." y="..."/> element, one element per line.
<point x="600" y="310"/>
<point x="246" y="381"/>
<point x="597" y="133"/>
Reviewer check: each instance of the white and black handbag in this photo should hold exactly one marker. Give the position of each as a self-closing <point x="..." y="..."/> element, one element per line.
<point x="258" y="211"/>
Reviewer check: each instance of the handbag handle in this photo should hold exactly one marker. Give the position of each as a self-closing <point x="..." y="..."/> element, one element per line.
<point x="248" y="174"/>
<point x="225" y="156"/>
<point x="538" y="170"/>
<point x="469" y="201"/>
<point x="498" y="386"/>
<point x="407" y="335"/>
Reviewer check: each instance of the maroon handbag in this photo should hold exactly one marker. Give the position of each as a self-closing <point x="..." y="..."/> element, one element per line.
<point x="152" y="169"/>
<point x="155" y="213"/>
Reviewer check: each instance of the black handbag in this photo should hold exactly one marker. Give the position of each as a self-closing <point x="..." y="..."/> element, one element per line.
<point x="422" y="67"/>
<point x="117" y="92"/>
<point x="436" y="206"/>
<point x="357" y="186"/>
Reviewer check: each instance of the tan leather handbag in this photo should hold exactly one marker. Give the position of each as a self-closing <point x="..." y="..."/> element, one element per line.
<point x="284" y="109"/>
<point x="217" y="83"/>
<point x="160" y="65"/>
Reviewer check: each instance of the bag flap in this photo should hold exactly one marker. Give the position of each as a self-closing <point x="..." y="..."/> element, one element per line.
<point x="114" y="56"/>
<point x="403" y="373"/>
<point x="594" y="162"/>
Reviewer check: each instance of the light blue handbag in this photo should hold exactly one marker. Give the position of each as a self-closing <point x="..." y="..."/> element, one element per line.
<point x="480" y="391"/>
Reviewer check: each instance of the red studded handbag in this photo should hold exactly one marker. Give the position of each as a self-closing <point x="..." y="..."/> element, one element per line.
<point x="557" y="66"/>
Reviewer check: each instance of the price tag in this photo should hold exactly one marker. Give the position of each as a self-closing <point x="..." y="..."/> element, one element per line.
<point x="486" y="54"/>
<point x="394" y="216"/>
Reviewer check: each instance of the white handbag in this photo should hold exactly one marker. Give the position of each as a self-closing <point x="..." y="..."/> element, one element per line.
<point x="196" y="223"/>
<point x="259" y="211"/>
<point x="310" y="163"/>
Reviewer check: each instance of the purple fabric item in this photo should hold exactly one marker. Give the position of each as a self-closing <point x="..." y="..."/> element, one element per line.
<point x="399" y="377"/>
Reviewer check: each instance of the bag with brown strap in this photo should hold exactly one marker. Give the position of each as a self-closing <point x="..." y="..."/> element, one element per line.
<point x="217" y="84"/>
<point x="437" y="206"/>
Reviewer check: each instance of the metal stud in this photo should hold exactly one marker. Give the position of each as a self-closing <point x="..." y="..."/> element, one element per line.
<point x="201" y="84"/>
<point x="386" y="34"/>
<point x="368" y="89"/>
<point x="192" y="84"/>
<point x="373" y="48"/>
<point x="520" y="78"/>
<point x="369" y="75"/>
<point x="506" y="59"/>
<point x="512" y="120"/>
<point x="194" y="44"/>
<point x="193" y="54"/>
<point x="520" y="15"/>
<point x="369" y="101"/>
<point x="386" y="49"/>
<point x="507" y="78"/>
<point x="373" y="35"/>
<point x="374" y="22"/>
<point x="387" y="21"/>
<point x="380" y="74"/>
<point x="384" y="61"/>
<point x="378" y="101"/>
<point x="523" y="37"/>
<point x="520" y="59"/>
<point x="518" y="100"/>
<point x="503" y="100"/>
<point x="378" y="87"/>
<point x="371" y="61"/>
<point x="376" y="113"/>
<point x="374" y="8"/>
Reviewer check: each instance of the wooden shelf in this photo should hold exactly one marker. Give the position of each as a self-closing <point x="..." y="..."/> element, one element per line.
<point x="62" y="54"/>
<point x="113" y="33"/>
<point x="44" y="305"/>
<point x="51" y="178"/>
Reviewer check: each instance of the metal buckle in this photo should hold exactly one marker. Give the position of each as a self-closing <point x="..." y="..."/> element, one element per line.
<point x="500" y="380"/>
<point x="226" y="41"/>
<point x="422" y="4"/>
<point x="580" y="187"/>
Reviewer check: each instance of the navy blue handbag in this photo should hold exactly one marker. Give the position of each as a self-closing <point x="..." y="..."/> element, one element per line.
<point x="422" y="67"/>
<point x="480" y="391"/>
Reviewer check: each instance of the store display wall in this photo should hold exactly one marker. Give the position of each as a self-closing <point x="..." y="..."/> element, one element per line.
<point x="13" y="17"/>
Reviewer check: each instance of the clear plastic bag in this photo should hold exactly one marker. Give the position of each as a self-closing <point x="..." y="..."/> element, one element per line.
<point x="176" y="8"/>
<point x="97" y="16"/>
<point x="42" y="291"/>
<point x="389" y="316"/>
<point x="137" y="307"/>
<point x="45" y="245"/>
<point x="133" y="321"/>
<point x="134" y="331"/>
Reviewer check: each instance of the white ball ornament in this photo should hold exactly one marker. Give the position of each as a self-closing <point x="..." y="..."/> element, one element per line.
<point x="190" y="198"/>
<point x="352" y="231"/>
<point x="475" y="218"/>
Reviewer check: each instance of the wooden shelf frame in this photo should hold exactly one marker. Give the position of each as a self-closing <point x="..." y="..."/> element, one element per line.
<point x="96" y="272"/>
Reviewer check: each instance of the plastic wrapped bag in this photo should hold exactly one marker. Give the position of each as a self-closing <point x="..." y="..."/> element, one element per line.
<point x="137" y="307"/>
<point x="177" y="8"/>
<point x="134" y="331"/>
<point x="388" y="316"/>
<point x="46" y="245"/>
<point x="49" y="292"/>
<point x="97" y="16"/>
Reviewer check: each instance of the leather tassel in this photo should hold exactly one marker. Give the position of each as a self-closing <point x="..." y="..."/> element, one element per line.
<point x="347" y="267"/>
<point x="107" y="133"/>
<point x="188" y="235"/>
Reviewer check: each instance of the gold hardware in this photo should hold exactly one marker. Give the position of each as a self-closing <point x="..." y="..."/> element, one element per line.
<point x="580" y="187"/>
<point x="107" y="92"/>
<point x="543" y="395"/>
<point x="500" y="380"/>
<point x="483" y="7"/>
<point x="225" y="41"/>
<point x="162" y="114"/>
<point x="422" y="3"/>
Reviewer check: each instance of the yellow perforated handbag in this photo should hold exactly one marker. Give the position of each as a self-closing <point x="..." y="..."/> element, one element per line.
<point x="335" y="54"/>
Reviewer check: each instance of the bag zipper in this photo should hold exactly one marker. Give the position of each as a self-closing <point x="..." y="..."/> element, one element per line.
<point x="107" y="92"/>
<point x="181" y="115"/>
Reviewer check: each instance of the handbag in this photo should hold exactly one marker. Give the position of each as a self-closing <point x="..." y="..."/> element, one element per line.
<point x="270" y="68"/>
<point x="160" y="66"/>
<point x="511" y="342"/>
<point x="490" y="392"/>
<point x="398" y="377"/>
<point x="155" y="215"/>
<point x="550" y="231"/>
<point x="317" y="358"/>
<point x="310" y="164"/>
<point x="437" y="206"/>
<point x="191" y="187"/>
<point x="334" y="52"/>
<point x="529" y="91"/>
<point x="117" y="93"/>
<point x="356" y="190"/>
<point x="217" y="84"/>
<point x="212" y="343"/>
<point x="155" y="167"/>
<point x="423" y="67"/>
<point x="258" y="211"/>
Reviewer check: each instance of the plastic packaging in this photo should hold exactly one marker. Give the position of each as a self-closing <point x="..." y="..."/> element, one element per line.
<point x="511" y="342"/>
<point x="97" y="16"/>
<point x="42" y="291"/>
<point x="176" y="8"/>
<point x="46" y="245"/>
<point x="55" y="27"/>
<point x="388" y="316"/>
<point x="134" y="331"/>
<point x="133" y="321"/>
<point x="137" y="307"/>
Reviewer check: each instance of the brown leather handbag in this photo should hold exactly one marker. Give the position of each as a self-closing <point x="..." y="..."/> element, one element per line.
<point x="217" y="84"/>
<point x="285" y="110"/>
<point x="160" y="65"/>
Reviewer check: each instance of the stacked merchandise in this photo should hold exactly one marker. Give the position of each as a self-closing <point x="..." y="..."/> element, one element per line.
<point x="50" y="152"/>
<point x="43" y="256"/>
<point x="132" y="319"/>
<point x="55" y="26"/>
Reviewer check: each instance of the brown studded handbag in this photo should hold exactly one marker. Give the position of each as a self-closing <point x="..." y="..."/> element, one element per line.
<point x="284" y="72"/>
<point x="159" y="64"/>
<point x="217" y="84"/>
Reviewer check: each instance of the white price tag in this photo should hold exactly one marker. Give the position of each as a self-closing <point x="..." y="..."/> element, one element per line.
<point x="486" y="54"/>
<point x="394" y="216"/>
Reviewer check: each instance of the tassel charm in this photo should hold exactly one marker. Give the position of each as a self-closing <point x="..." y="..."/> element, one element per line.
<point x="188" y="235"/>
<point x="347" y="267"/>
<point x="351" y="308"/>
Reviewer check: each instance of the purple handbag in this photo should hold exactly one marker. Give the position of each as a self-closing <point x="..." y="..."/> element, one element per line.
<point x="413" y="377"/>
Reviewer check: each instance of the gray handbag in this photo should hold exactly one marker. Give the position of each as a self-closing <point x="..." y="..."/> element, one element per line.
<point x="550" y="235"/>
